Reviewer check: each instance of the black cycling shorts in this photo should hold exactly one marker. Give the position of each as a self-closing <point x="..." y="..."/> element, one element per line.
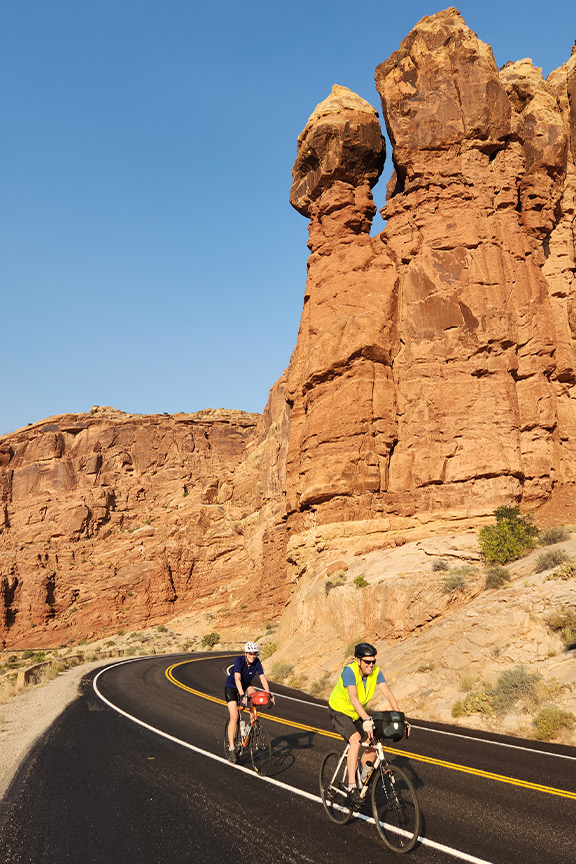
<point x="345" y="726"/>
<point x="231" y="694"/>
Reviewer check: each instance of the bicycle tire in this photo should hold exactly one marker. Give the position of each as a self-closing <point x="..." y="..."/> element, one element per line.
<point x="395" y="809"/>
<point x="333" y="783"/>
<point x="260" y="749"/>
<point x="237" y="739"/>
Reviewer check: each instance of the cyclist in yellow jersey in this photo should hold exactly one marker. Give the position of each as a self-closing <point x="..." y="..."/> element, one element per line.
<point x="347" y="706"/>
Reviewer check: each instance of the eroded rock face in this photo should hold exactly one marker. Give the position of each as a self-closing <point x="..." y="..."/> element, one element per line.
<point x="434" y="367"/>
<point x="115" y="520"/>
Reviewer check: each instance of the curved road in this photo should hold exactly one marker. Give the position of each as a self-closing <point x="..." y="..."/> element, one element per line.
<point x="133" y="771"/>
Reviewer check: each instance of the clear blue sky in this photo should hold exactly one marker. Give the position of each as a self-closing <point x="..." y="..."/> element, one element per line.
<point x="149" y="257"/>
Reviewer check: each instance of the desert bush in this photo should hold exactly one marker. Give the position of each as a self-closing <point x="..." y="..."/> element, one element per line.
<point x="553" y="535"/>
<point x="565" y="571"/>
<point x="473" y="703"/>
<point x="467" y="683"/>
<point x="318" y="688"/>
<point x="336" y="580"/>
<point x="425" y="667"/>
<point x="268" y="649"/>
<point x="349" y="649"/>
<point x="512" y="535"/>
<point x="563" y="623"/>
<point x="497" y="576"/>
<point x="281" y="671"/>
<point x="209" y="640"/>
<point x="549" y="559"/>
<point x="360" y="581"/>
<point x="439" y="564"/>
<point x="463" y="570"/>
<point x="161" y="628"/>
<point x="512" y="685"/>
<point x="453" y="583"/>
<point x="551" y="720"/>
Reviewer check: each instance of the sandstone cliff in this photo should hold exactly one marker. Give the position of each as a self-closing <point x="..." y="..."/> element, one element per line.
<point x="432" y="378"/>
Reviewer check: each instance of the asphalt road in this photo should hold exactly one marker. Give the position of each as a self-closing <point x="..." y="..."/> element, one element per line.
<point x="101" y="788"/>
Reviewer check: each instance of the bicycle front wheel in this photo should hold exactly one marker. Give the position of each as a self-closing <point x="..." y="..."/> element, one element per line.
<point x="333" y="788"/>
<point x="260" y="749"/>
<point x="395" y="809"/>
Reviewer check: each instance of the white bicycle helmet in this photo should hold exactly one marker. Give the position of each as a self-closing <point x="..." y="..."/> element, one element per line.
<point x="251" y="647"/>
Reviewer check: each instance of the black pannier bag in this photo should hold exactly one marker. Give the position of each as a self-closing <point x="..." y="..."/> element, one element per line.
<point x="389" y="725"/>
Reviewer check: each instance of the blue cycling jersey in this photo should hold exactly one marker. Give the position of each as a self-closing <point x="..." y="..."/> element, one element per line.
<point x="247" y="672"/>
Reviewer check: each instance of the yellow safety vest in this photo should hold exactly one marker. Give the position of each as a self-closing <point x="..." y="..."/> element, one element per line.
<point x="340" y="698"/>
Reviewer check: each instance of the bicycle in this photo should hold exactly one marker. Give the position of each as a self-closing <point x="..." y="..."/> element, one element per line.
<point x="395" y="807"/>
<point x="252" y="735"/>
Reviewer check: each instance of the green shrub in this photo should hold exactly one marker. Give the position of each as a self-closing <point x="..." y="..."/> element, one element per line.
<point x="565" y="571"/>
<point x="512" y="535"/>
<point x="440" y="564"/>
<point x="161" y="628"/>
<point x="210" y="639"/>
<point x="473" y="703"/>
<point x="549" y="559"/>
<point x="268" y="649"/>
<point x="512" y="685"/>
<point x="551" y="720"/>
<point x="281" y="671"/>
<point x="497" y="576"/>
<point x="453" y="583"/>
<point x="553" y="535"/>
<point x="360" y="581"/>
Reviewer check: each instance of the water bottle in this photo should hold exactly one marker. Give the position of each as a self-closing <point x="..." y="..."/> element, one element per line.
<point x="366" y="771"/>
<point x="242" y="728"/>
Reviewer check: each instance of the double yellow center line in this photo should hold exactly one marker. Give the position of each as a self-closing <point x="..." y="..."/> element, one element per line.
<point x="441" y="763"/>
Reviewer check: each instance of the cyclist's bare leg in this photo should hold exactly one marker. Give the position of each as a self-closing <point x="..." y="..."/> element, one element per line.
<point x="232" y="725"/>
<point x="353" y="754"/>
<point x="352" y="758"/>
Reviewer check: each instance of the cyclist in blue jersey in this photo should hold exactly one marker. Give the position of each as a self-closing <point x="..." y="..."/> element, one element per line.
<point x="347" y="706"/>
<point x="238" y="688"/>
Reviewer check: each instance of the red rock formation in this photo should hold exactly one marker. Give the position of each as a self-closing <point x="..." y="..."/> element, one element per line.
<point x="426" y="377"/>
<point x="432" y="378"/>
<point x="121" y="520"/>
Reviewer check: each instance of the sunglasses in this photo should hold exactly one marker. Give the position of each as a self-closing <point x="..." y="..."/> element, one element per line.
<point x="252" y="653"/>
<point x="369" y="662"/>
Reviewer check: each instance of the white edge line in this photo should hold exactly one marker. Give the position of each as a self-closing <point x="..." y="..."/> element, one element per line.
<point x="463" y="856"/>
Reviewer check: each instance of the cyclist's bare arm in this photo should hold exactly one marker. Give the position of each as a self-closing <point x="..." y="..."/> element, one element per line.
<point x="238" y="680"/>
<point x="356" y="704"/>
<point x="385" y="689"/>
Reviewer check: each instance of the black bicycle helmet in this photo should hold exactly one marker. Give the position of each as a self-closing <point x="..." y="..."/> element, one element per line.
<point x="364" y="649"/>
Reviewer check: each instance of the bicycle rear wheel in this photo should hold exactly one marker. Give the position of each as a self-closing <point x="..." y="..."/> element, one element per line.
<point x="237" y="739"/>
<point x="260" y="748"/>
<point x="395" y="809"/>
<point x="333" y="786"/>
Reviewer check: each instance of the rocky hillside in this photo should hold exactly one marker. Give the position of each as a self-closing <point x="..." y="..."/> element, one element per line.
<point x="432" y="381"/>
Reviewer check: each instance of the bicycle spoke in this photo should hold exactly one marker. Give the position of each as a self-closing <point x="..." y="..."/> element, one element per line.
<point x="395" y="809"/>
<point x="260" y="749"/>
<point x="333" y="781"/>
